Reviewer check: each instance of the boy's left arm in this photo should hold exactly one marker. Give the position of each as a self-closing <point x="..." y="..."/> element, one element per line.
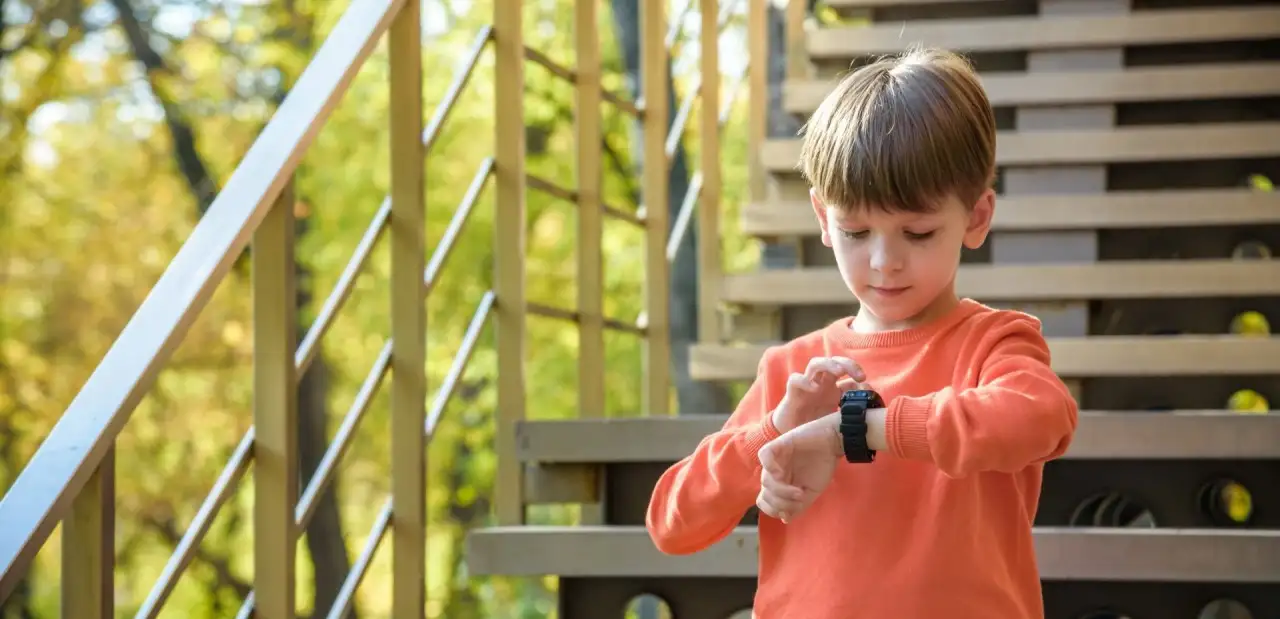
<point x="1020" y="413"/>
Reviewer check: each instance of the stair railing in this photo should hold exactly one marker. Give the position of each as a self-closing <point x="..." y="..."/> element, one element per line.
<point x="70" y="479"/>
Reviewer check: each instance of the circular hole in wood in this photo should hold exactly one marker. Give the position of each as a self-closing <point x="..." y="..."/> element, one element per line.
<point x="647" y="606"/>
<point x="1251" y="250"/>
<point x="1112" y="509"/>
<point x="1250" y="324"/>
<point x="1225" y="609"/>
<point x="1248" y="401"/>
<point x="1226" y="502"/>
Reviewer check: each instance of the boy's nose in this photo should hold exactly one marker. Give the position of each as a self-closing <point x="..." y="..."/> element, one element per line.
<point x="884" y="256"/>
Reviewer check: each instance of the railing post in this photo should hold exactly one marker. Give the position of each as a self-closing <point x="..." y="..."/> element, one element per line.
<point x="591" y="398"/>
<point x="275" y="412"/>
<point x="653" y="68"/>
<point x="509" y="251"/>
<point x="88" y="547"/>
<point x="757" y="93"/>
<point x="709" y="259"/>
<point x="408" y="316"/>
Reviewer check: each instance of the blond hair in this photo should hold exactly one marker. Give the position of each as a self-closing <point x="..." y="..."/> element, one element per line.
<point x="902" y="134"/>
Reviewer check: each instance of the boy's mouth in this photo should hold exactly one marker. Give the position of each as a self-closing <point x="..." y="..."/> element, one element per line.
<point x="889" y="291"/>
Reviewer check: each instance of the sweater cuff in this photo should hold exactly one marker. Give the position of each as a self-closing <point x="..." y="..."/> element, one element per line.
<point x="760" y="435"/>
<point x="906" y="428"/>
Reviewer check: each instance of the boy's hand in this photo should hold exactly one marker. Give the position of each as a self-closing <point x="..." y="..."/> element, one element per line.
<point x="796" y="467"/>
<point x="816" y="391"/>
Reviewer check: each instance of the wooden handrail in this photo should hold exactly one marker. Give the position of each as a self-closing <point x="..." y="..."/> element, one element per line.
<point x="43" y="493"/>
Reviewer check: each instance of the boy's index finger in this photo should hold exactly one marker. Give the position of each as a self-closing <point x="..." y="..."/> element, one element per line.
<point x="850" y="367"/>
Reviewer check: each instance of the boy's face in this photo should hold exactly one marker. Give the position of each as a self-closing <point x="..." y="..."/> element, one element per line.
<point x="902" y="265"/>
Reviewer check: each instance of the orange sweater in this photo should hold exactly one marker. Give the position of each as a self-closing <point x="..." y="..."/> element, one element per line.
<point x="940" y="524"/>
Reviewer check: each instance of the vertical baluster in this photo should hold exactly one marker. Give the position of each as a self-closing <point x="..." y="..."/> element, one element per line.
<point x="709" y="264"/>
<point x="275" y="412"/>
<point x="591" y="396"/>
<point x="653" y="68"/>
<point x="408" y="316"/>
<point x="757" y="93"/>
<point x="797" y="54"/>
<point x="509" y="250"/>
<point x="88" y="547"/>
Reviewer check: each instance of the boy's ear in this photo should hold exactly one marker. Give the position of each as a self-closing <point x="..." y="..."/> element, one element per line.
<point x="820" y="211"/>
<point x="980" y="215"/>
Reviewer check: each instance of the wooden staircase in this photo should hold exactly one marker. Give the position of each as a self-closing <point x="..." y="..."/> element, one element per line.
<point x="1129" y="130"/>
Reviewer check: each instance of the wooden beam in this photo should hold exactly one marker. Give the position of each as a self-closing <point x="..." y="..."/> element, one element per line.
<point x="1164" y="208"/>
<point x="1073" y="357"/>
<point x="993" y="34"/>
<point x="1115" y="279"/>
<point x="1146" y="84"/>
<point x="1123" y="145"/>
<point x="1098" y="554"/>
<point x="1112" y="435"/>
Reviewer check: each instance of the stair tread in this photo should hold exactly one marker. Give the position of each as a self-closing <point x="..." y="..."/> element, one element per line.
<point x="1078" y="146"/>
<point x="1063" y="553"/>
<point x="1072" y="357"/>
<point x="1151" y="27"/>
<point x="1119" y="209"/>
<point x="1189" y="81"/>
<point x="1134" y="435"/>
<point x="1111" y="279"/>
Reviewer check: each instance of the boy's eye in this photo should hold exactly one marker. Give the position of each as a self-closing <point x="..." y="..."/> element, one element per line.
<point x="854" y="234"/>
<point x="920" y="236"/>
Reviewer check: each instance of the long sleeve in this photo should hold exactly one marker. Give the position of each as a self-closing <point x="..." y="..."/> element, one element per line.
<point x="700" y="499"/>
<point x="1019" y="414"/>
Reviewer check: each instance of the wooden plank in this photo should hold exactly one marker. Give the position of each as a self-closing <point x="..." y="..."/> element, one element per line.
<point x="865" y="4"/>
<point x="1121" y="145"/>
<point x="1169" y="208"/>
<point x="995" y="34"/>
<point x="1073" y="357"/>
<point x="1119" y="554"/>
<point x="1114" y="279"/>
<point x="1125" y="435"/>
<point x="1148" y="84"/>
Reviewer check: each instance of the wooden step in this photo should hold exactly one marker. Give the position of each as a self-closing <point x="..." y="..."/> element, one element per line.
<point x="1122" y="209"/>
<point x="1063" y="553"/>
<point x="1073" y="357"/>
<point x="1112" y="279"/>
<point x="1111" y="435"/>
<point x="1129" y="144"/>
<point x="993" y="34"/>
<point x="1179" y="82"/>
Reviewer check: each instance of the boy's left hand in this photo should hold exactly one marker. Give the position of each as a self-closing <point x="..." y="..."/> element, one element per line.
<point x="796" y="467"/>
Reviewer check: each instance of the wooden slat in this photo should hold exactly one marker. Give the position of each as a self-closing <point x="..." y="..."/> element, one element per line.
<point x="1127" y="209"/>
<point x="1136" y="435"/>
<point x="1067" y="32"/>
<point x="1115" y="279"/>
<point x="1073" y="357"/>
<point x="1178" y="82"/>
<point x="863" y="4"/>
<point x="1156" y="555"/>
<point x="1122" y="145"/>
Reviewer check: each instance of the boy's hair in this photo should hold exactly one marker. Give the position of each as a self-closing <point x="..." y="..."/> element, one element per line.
<point x="902" y="134"/>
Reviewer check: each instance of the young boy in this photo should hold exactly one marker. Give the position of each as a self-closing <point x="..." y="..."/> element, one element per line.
<point x="919" y="503"/>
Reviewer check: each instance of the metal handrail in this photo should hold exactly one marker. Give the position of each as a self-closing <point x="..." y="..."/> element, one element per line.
<point x="43" y="492"/>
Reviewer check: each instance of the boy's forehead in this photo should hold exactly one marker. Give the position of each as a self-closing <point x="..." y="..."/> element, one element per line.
<point x="871" y="212"/>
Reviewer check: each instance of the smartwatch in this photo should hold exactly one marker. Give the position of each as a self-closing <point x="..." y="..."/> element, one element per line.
<point x="853" y="423"/>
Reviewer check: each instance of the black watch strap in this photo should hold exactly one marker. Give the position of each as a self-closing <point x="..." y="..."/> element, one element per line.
<point x="853" y="423"/>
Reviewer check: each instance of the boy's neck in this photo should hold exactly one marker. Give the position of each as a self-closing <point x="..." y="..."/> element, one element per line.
<point x="867" y="322"/>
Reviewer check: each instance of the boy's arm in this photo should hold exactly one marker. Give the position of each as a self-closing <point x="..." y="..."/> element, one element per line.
<point x="700" y="499"/>
<point x="1020" y="413"/>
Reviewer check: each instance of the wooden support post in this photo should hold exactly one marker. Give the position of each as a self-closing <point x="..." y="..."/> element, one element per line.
<point x="408" y="318"/>
<point x="653" y="71"/>
<point x="275" y="413"/>
<point x="509" y="251"/>
<point x="88" y="547"/>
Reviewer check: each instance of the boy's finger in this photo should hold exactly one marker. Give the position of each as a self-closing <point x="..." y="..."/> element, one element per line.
<point x="850" y="367"/>
<point x="781" y="489"/>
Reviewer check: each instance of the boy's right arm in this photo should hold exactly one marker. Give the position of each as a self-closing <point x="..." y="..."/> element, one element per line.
<point x="700" y="499"/>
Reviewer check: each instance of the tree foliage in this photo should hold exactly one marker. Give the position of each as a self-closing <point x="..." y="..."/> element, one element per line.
<point x="99" y="188"/>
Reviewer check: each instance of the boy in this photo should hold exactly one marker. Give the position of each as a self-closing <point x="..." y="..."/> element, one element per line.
<point x="920" y="504"/>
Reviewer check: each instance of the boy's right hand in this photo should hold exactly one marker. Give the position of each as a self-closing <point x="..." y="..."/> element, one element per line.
<point x="816" y="391"/>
